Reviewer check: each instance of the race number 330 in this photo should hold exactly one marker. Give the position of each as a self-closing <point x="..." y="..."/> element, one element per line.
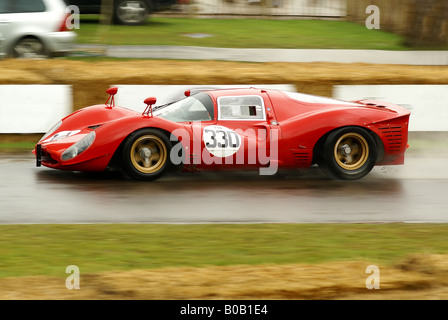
<point x="221" y="141"/>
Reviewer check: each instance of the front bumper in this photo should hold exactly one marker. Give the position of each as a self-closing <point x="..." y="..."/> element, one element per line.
<point x="46" y="158"/>
<point x="38" y="154"/>
<point x="42" y="157"/>
<point x="60" y="43"/>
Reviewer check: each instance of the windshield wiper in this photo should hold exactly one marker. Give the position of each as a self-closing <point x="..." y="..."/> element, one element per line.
<point x="161" y="106"/>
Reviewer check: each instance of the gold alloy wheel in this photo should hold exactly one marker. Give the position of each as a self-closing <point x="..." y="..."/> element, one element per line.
<point x="351" y="151"/>
<point x="148" y="154"/>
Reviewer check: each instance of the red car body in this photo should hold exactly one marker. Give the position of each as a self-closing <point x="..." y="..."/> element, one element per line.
<point x="231" y="128"/>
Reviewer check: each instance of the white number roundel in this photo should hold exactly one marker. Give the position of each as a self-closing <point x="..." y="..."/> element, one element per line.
<point x="221" y="141"/>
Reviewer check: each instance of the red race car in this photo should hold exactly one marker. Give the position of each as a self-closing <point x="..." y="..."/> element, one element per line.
<point x="230" y="128"/>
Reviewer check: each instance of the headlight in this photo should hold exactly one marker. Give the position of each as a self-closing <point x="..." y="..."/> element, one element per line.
<point x="53" y="129"/>
<point x="79" y="147"/>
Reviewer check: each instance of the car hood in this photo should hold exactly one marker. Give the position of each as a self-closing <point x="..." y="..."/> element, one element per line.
<point x="96" y="115"/>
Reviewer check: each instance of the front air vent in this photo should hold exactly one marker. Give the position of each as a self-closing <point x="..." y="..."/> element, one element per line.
<point x="302" y="158"/>
<point x="95" y="127"/>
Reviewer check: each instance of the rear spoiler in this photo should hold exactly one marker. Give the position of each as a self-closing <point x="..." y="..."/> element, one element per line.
<point x="399" y="110"/>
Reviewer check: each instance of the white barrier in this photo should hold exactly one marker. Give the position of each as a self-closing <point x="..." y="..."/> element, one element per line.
<point x="428" y="103"/>
<point x="33" y="108"/>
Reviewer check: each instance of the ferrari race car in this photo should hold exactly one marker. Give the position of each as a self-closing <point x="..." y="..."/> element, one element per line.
<point x="229" y="128"/>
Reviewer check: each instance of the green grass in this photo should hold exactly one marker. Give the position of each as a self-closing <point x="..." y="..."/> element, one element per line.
<point x="18" y="146"/>
<point x="241" y="33"/>
<point x="49" y="249"/>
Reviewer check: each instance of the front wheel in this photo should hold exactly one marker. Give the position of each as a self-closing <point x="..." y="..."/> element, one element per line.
<point x="348" y="153"/>
<point x="146" y="154"/>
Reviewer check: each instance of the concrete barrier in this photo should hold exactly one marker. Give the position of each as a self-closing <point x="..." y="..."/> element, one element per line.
<point x="33" y="108"/>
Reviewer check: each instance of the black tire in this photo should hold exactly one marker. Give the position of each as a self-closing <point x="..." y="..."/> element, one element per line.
<point x="128" y="12"/>
<point x="29" y="48"/>
<point x="146" y="154"/>
<point x="348" y="153"/>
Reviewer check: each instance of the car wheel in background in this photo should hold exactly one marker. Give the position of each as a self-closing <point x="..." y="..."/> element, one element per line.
<point x="29" y="48"/>
<point x="146" y="154"/>
<point x="131" y="12"/>
<point x="348" y="153"/>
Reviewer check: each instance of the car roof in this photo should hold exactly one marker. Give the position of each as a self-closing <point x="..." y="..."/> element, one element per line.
<point x="297" y="97"/>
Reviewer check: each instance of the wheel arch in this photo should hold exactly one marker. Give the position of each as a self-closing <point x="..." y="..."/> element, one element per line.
<point x="116" y="158"/>
<point x="318" y="147"/>
<point x="26" y="36"/>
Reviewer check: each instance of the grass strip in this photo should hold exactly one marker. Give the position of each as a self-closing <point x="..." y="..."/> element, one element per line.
<point x="48" y="249"/>
<point x="18" y="146"/>
<point x="241" y="33"/>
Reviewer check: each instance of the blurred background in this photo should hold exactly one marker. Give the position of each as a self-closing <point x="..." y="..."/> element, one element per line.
<point x="45" y="27"/>
<point x="149" y="240"/>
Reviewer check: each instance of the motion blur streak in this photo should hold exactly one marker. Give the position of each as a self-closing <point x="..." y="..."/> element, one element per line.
<point x="415" y="192"/>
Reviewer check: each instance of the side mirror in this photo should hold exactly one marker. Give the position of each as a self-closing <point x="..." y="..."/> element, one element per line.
<point x="149" y="103"/>
<point x="111" y="92"/>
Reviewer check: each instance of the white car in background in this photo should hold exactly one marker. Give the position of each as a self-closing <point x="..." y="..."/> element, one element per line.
<point x="34" y="29"/>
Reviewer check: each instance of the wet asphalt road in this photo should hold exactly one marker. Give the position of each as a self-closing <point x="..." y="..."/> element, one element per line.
<point x="415" y="192"/>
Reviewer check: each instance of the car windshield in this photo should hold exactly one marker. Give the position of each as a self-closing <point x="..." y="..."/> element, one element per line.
<point x="198" y="107"/>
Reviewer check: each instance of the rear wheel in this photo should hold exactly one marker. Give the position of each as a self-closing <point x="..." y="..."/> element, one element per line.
<point x="348" y="153"/>
<point x="131" y="12"/>
<point x="29" y="48"/>
<point x="146" y="154"/>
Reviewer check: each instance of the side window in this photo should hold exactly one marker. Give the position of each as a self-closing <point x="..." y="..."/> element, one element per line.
<point x="241" y="108"/>
<point x="22" y="6"/>
<point x="6" y="6"/>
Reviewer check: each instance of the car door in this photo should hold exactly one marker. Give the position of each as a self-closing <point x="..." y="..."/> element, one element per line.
<point x="241" y="136"/>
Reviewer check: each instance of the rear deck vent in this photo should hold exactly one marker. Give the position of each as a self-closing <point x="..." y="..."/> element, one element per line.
<point x="393" y="137"/>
